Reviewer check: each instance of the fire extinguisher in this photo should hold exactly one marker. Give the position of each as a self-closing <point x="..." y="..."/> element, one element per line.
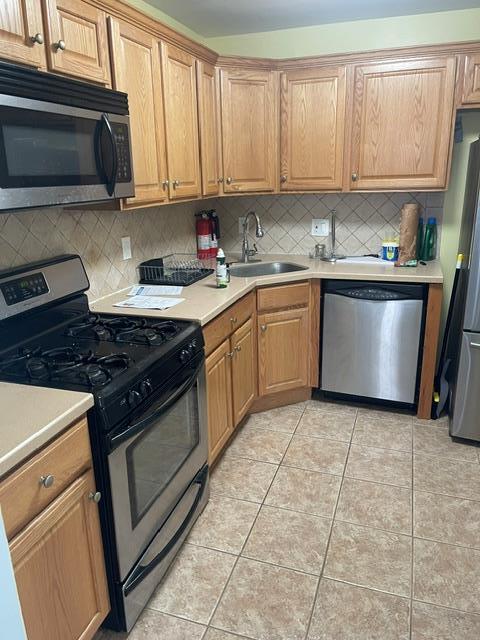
<point x="203" y="232"/>
<point x="214" y="232"/>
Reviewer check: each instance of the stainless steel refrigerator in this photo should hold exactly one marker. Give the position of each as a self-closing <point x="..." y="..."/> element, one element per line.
<point x="464" y="378"/>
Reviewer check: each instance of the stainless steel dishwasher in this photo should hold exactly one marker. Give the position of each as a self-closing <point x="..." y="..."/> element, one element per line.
<point x="371" y="339"/>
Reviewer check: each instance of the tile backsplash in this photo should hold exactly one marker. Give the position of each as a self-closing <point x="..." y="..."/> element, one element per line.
<point x="363" y="221"/>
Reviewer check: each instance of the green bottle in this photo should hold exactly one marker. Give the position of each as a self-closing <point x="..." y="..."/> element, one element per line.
<point x="429" y="245"/>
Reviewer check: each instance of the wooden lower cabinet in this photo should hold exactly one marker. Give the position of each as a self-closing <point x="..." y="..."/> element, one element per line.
<point x="283" y="353"/>
<point x="244" y="371"/>
<point x="59" y="567"/>
<point x="219" y="395"/>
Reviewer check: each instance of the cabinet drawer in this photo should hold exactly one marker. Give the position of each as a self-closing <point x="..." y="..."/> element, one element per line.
<point x="22" y="494"/>
<point x="282" y="297"/>
<point x="220" y="328"/>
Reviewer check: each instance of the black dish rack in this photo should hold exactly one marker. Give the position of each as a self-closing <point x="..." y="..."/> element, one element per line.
<point x="176" y="269"/>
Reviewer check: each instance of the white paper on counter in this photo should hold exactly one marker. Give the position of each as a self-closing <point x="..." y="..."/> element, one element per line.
<point x="366" y="260"/>
<point x="155" y="290"/>
<point x="149" y="302"/>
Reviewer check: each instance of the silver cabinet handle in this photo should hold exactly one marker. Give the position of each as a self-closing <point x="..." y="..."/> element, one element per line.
<point x="47" y="481"/>
<point x="229" y="180"/>
<point x="165" y="184"/>
<point x="354" y="177"/>
<point x="96" y="496"/>
<point x="283" y="178"/>
<point x="60" y="45"/>
<point x="263" y="327"/>
<point x="175" y="184"/>
<point x="219" y="180"/>
<point x="37" y="38"/>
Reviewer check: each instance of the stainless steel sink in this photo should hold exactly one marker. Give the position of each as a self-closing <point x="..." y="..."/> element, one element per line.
<point x="264" y="269"/>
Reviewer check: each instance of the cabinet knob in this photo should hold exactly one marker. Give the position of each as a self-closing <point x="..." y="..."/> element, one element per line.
<point x="229" y="180"/>
<point x="220" y="180"/>
<point x="60" y="45"/>
<point x="263" y="327"/>
<point x="354" y="177"/>
<point x="47" y="481"/>
<point x="96" y="496"/>
<point x="37" y="38"/>
<point x="234" y="320"/>
<point x="283" y="178"/>
<point x="175" y="184"/>
<point x="230" y="354"/>
<point x="165" y="184"/>
<point x="238" y="348"/>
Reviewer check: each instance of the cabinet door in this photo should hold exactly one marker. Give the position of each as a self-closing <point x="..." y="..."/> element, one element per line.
<point x="249" y="130"/>
<point x="219" y="398"/>
<point x="77" y="42"/>
<point x="312" y="116"/>
<point x="283" y="339"/>
<point x="209" y="127"/>
<point x="136" y="70"/>
<point x="20" y="23"/>
<point x="59" y="567"/>
<point x="402" y="124"/>
<point x="181" y="118"/>
<point x="471" y="81"/>
<point x="244" y="378"/>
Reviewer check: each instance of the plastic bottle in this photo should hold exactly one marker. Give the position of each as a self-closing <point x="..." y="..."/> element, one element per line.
<point x="221" y="271"/>
<point x="429" y="245"/>
<point x="419" y="238"/>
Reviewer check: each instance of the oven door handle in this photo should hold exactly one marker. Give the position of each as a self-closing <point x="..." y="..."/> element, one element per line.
<point x="142" y="570"/>
<point x="116" y="440"/>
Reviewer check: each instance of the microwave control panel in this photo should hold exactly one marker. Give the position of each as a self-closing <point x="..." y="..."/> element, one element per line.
<point x="21" y="289"/>
<point x="124" y="171"/>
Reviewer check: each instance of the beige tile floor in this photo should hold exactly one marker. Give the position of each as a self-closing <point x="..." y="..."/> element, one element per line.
<point x="328" y="522"/>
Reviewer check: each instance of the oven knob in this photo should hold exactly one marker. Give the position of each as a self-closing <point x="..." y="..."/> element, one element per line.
<point x="134" y="398"/>
<point x="146" y="387"/>
<point x="184" y="355"/>
<point x="192" y="346"/>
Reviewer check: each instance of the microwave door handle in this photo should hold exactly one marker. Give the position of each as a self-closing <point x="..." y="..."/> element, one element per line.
<point x="142" y="570"/>
<point x="111" y="180"/>
<point x="137" y="427"/>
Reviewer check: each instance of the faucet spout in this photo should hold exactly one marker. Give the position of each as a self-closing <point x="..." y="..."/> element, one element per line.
<point x="246" y="251"/>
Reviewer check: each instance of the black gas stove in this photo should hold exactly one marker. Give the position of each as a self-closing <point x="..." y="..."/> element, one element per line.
<point x="148" y="426"/>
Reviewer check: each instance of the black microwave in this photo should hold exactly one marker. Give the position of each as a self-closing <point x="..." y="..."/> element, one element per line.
<point x="61" y="141"/>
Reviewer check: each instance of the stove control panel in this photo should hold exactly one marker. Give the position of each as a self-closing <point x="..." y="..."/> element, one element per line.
<point x="188" y="352"/>
<point x="21" y="289"/>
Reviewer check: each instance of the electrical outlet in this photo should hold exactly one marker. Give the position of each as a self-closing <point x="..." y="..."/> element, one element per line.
<point x="320" y="227"/>
<point x="241" y="222"/>
<point x="126" y="248"/>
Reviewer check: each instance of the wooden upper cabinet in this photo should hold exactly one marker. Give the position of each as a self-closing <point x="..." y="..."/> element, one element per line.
<point x="59" y="567"/>
<point x="20" y="28"/>
<point x="136" y="70"/>
<point x="77" y="41"/>
<point x="181" y="118"/>
<point x="471" y="80"/>
<point x="402" y="124"/>
<point x="312" y="117"/>
<point x="249" y="130"/>
<point x="209" y="127"/>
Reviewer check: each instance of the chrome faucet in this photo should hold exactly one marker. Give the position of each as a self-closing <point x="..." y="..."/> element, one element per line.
<point x="333" y="256"/>
<point x="247" y="253"/>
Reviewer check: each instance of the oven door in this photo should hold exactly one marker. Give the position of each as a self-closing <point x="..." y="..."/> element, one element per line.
<point x="153" y="460"/>
<point x="56" y="154"/>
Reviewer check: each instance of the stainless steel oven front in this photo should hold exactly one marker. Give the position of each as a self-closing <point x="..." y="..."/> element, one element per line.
<point x="159" y="481"/>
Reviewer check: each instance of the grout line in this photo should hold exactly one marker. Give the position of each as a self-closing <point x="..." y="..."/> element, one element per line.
<point x="249" y="532"/>
<point x="443" y="606"/>
<point x="327" y="547"/>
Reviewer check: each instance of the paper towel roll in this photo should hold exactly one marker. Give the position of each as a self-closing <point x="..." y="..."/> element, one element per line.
<point x="408" y="233"/>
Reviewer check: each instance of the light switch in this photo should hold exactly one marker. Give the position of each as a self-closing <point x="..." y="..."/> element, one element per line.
<point x="320" y="227"/>
<point x="126" y="248"/>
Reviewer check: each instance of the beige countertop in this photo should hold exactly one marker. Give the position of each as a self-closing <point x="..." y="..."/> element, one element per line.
<point x="31" y="416"/>
<point x="203" y="301"/>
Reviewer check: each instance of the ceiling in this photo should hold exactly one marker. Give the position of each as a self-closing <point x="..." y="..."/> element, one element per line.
<point x="211" y="18"/>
